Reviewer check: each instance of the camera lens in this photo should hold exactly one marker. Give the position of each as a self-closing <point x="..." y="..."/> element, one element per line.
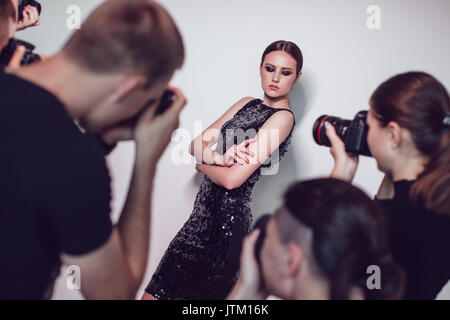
<point x="319" y="131"/>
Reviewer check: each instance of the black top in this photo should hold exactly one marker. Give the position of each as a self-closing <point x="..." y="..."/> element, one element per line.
<point x="54" y="189"/>
<point x="420" y="242"/>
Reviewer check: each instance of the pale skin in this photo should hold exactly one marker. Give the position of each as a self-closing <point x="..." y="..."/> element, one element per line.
<point x="237" y="165"/>
<point x="99" y="102"/>
<point x="391" y="146"/>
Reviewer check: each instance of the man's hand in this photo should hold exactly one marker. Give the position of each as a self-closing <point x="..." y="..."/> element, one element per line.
<point x="17" y="57"/>
<point x="154" y="132"/>
<point x="249" y="286"/>
<point x="30" y="18"/>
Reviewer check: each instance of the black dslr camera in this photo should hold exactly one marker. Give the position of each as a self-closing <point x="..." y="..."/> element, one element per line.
<point x="24" y="3"/>
<point x="8" y="51"/>
<point x="352" y="132"/>
<point x="165" y="102"/>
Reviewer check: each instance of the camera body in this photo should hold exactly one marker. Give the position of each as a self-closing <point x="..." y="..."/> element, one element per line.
<point x="24" y="3"/>
<point x="165" y="102"/>
<point x="352" y="132"/>
<point x="8" y="51"/>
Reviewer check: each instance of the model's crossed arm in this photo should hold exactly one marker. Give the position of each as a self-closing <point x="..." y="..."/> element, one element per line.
<point x="256" y="150"/>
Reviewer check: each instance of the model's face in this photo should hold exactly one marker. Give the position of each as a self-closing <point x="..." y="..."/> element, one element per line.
<point x="377" y="140"/>
<point x="278" y="74"/>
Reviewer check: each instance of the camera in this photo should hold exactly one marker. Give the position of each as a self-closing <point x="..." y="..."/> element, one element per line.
<point x="8" y="51"/>
<point x="352" y="132"/>
<point x="24" y="3"/>
<point x="261" y="224"/>
<point x="166" y="101"/>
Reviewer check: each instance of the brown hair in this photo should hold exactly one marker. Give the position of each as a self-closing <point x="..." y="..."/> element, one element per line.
<point x="420" y="103"/>
<point x="288" y="47"/>
<point x="349" y="234"/>
<point x="136" y="36"/>
<point x="7" y="11"/>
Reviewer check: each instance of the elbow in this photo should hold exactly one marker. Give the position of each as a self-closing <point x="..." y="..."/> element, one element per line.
<point x="230" y="183"/>
<point x="195" y="144"/>
<point x="191" y="148"/>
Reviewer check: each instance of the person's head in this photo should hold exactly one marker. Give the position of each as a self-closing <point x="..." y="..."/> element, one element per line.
<point x="281" y="67"/>
<point x="137" y="45"/>
<point x="408" y="119"/>
<point x="321" y="241"/>
<point x="7" y="21"/>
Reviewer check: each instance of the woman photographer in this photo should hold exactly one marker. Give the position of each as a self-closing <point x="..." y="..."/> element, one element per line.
<point x="409" y="137"/>
<point x="319" y="245"/>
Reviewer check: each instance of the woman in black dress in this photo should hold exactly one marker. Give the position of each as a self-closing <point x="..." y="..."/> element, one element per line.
<point x="202" y="261"/>
<point x="409" y="137"/>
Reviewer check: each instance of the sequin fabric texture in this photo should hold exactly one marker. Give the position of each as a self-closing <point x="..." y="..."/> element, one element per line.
<point x="202" y="261"/>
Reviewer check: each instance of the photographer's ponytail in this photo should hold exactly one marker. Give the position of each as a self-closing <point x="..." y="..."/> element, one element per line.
<point x="354" y="270"/>
<point x="433" y="186"/>
<point x="421" y="104"/>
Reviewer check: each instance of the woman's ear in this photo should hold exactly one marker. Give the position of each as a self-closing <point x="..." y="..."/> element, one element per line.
<point x="394" y="134"/>
<point x="298" y="77"/>
<point x="294" y="260"/>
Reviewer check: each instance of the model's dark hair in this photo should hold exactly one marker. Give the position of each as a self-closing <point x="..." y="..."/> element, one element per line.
<point x="135" y="36"/>
<point x="349" y="235"/>
<point x="288" y="47"/>
<point x="7" y="11"/>
<point x="419" y="103"/>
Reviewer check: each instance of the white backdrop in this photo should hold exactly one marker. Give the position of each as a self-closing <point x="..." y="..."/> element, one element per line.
<point x="344" y="61"/>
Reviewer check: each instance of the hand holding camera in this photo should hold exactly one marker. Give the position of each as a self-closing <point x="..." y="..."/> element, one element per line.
<point x="151" y="128"/>
<point x="250" y="285"/>
<point x="29" y="14"/>
<point x="347" y="139"/>
<point x="18" y="53"/>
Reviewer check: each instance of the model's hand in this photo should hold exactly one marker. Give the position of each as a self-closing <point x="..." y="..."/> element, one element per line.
<point x="243" y="152"/>
<point x="239" y="153"/>
<point x="249" y="286"/>
<point x="30" y="18"/>
<point x="345" y="164"/>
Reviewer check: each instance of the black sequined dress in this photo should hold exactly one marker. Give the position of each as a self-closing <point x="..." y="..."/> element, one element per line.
<point x="202" y="261"/>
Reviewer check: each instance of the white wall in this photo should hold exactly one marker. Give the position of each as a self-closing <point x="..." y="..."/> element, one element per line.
<point x="344" y="61"/>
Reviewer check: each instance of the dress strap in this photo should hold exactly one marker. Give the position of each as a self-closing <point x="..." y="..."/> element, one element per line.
<point x="282" y="109"/>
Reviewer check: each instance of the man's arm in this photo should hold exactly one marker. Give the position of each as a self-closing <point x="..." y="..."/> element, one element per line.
<point x="116" y="270"/>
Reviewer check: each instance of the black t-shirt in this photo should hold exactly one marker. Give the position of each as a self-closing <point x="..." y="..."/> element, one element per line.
<point x="54" y="190"/>
<point x="420" y="242"/>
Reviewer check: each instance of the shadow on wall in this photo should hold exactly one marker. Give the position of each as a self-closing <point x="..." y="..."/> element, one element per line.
<point x="267" y="192"/>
